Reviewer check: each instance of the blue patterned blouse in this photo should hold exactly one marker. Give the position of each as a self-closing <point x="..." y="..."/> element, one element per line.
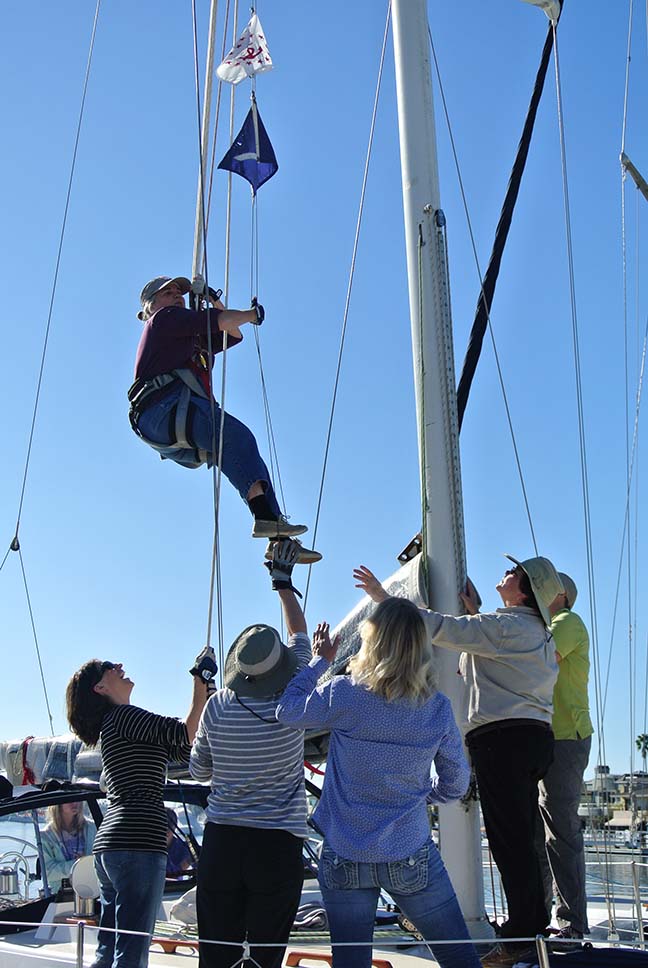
<point x="378" y="773"/>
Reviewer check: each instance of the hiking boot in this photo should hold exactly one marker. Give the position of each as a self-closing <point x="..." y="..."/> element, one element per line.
<point x="306" y="556"/>
<point x="281" y="528"/>
<point x="567" y="939"/>
<point x="505" y="955"/>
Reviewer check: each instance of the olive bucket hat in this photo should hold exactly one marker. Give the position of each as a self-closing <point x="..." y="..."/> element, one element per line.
<point x="544" y="580"/>
<point x="570" y="588"/>
<point x="258" y="664"/>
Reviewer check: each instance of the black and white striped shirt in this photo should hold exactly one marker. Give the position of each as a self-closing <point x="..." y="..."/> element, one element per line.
<point x="256" y="767"/>
<point x="136" y="747"/>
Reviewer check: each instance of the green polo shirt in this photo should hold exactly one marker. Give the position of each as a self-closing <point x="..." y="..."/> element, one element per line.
<point x="571" y="719"/>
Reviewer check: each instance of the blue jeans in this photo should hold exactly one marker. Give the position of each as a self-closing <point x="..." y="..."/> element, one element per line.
<point x="418" y="884"/>
<point x="242" y="463"/>
<point x="132" y="884"/>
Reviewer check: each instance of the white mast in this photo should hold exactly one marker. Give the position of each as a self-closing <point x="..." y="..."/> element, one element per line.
<point x="434" y="377"/>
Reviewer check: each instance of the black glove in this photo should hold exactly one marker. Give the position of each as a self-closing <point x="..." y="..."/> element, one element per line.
<point x="260" y="311"/>
<point x="214" y="293"/>
<point x="284" y="557"/>
<point x="204" y="667"/>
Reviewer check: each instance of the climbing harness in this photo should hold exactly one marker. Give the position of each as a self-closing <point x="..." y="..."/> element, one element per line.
<point x="180" y="418"/>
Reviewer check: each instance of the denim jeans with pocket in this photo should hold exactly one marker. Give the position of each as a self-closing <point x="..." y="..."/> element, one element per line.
<point x="420" y="886"/>
<point x="242" y="463"/>
<point x="132" y="885"/>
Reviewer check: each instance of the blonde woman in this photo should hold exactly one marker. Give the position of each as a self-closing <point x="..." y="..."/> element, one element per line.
<point x="388" y="725"/>
<point x="66" y="837"/>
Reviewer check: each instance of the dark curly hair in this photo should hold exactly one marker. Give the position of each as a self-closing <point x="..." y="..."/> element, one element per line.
<point x="527" y="590"/>
<point x="86" y="708"/>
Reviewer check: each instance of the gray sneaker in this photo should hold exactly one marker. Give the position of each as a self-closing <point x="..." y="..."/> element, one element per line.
<point x="281" y="528"/>
<point x="307" y="556"/>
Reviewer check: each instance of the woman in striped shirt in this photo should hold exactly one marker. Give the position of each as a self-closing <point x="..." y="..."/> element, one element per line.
<point x="130" y="846"/>
<point x="251" y="871"/>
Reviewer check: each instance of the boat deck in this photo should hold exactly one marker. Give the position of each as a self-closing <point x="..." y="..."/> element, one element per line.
<point x="176" y="944"/>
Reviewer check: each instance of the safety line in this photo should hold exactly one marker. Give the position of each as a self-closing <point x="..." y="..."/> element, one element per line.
<point x="200" y="220"/>
<point x="626" y="401"/>
<point x="625" y="534"/>
<point x="219" y="89"/>
<point x="275" y="468"/>
<point x="215" y="577"/>
<point x="627" y="76"/>
<point x="57" y="266"/>
<point x="580" y="409"/>
<point x="473" y="244"/>
<point x="349" y="291"/>
<point x="626" y="355"/>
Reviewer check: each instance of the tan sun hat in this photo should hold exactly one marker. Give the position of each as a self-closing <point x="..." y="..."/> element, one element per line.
<point x="258" y="663"/>
<point x="156" y="285"/>
<point x="545" y="582"/>
<point x="571" y="592"/>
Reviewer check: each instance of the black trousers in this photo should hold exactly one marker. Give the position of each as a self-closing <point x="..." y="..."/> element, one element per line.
<point x="509" y="762"/>
<point x="249" y="887"/>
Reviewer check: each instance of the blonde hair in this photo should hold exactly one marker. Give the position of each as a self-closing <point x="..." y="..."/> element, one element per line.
<point x="396" y="659"/>
<point x="55" y="819"/>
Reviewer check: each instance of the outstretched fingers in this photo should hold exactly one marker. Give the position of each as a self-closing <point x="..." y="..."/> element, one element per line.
<point x="367" y="581"/>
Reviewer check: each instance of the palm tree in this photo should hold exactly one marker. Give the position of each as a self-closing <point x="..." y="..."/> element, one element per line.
<point x="642" y="745"/>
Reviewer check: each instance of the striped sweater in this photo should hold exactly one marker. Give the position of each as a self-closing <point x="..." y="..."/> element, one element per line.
<point x="135" y="748"/>
<point x="255" y="765"/>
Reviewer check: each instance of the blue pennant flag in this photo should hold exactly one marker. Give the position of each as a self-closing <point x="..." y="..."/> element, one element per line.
<point x="252" y="156"/>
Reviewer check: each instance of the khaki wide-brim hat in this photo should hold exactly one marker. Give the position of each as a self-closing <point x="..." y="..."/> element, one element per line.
<point x="569" y="585"/>
<point x="156" y="285"/>
<point x="258" y="664"/>
<point x="544" y="580"/>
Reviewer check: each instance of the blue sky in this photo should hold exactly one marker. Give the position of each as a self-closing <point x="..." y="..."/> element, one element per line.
<point x="117" y="544"/>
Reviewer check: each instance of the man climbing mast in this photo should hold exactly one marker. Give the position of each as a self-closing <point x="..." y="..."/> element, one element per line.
<point x="172" y="408"/>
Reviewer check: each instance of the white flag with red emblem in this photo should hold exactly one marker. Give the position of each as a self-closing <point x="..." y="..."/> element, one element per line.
<point x="248" y="56"/>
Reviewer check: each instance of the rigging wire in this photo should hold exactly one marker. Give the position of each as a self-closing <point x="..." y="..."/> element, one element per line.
<point x="275" y="470"/>
<point x="38" y="652"/>
<point x="347" y="302"/>
<point x="219" y="90"/>
<point x="57" y="265"/>
<point x="626" y="362"/>
<point x="633" y="455"/>
<point x="15" y="543"/>
<point x="500" y="374"/>
<point x="215" y="584"/>
<point x="581" y="432"/>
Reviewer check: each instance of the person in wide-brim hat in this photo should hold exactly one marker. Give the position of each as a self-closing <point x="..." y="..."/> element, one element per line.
<point x="510" y="669"/>
<point x="258" y="664"/>
<point x="544" y="580"/>
<point x="256" y="807"/>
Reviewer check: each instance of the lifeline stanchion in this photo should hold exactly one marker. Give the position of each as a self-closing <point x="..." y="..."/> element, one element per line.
<point x="543" y="955"/>
<point x="79" y="944"/>
<point x="637" y="901"/>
